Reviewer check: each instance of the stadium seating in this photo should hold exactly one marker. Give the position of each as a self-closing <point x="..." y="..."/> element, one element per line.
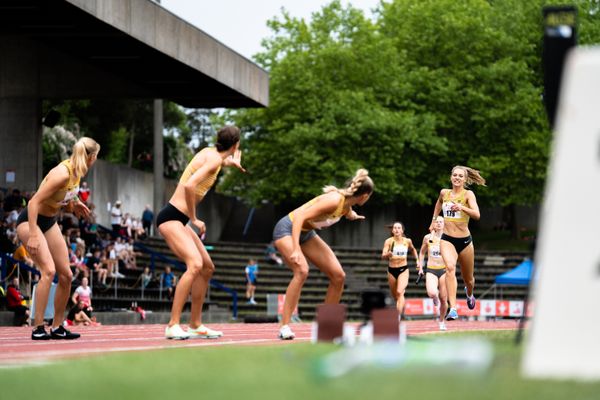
<point x="363" y="266"/>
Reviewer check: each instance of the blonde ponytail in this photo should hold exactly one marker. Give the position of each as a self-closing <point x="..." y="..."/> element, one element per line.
<point x="83" y="149"/>
<point x="358" y="185"/>
<point x="473" y="176"/>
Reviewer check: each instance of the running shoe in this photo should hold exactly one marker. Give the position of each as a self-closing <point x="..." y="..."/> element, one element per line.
<point x="452" y="315"/>
<point x="285" y="333"/>
<point x="39" y="333"/>
<point x="202" y="332"/>
<point x="61" y="333"/>
<point x="443" y="326"/>
<point x="470" y="300"/>
<point x="176" y="333"/>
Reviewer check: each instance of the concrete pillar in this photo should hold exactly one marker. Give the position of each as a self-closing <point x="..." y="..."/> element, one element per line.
<point x="159" y="180"/>
<point x="20" y="114"/>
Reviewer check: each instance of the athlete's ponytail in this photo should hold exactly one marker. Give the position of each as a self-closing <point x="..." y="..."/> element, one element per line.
<point x="83" y="149"/>
<point x="472" y="176"/>
<point x="358" y="185"/>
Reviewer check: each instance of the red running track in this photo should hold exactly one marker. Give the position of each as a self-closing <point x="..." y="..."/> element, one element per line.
<point x="16" y="346"/>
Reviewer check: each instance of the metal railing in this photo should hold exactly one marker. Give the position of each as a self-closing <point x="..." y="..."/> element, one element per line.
<point x="155" y="256"/>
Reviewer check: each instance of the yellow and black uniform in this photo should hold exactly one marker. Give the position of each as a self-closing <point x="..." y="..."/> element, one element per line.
<point x="59" y="199"/>
<point x="284" y="226"/>
<point x="399" y="251"/>
<point x="447" y="203"/>
<point x="204" y="186"/>
<point x="435" y="262"/>
<point x="172" y="213"/>
<point x="455" y="216"/>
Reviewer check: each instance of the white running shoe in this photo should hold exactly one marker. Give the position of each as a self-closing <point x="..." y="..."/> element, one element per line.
<point x="285" y="333"/>
<point x="203" y="332"/>
<point x="175" y="332"/>
<point x="443" y="326"/>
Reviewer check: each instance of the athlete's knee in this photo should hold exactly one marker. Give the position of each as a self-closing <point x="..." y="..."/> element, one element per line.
<point x="432" y="293"/>
<point x="48" y="274"/>
<point x="451" y="269"/>
<point x="194" y="267"/>
<point x="65" y="277"/>
<point x="208" y="268"/>
<point x="301" y="273"/>
<point x="338" y="278"/>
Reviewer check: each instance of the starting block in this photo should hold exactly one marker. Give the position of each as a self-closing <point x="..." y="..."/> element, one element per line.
<point x="386" y="323"/>
<point x="329" y="324"/>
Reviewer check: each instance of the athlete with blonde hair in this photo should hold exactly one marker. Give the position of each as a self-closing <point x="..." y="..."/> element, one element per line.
<point x="297" y="242"/>
<point x="172" y="223"/>
<point x="37" y="228"/>
<point x="395" y="250"/>
<point x="458" y="205"/>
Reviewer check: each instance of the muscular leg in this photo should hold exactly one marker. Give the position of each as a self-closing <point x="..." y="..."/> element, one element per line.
<point x="321" y="255"/>
<point x="401" y="285"/>
<point x="466" y="259"/>
<point x="60" y="255"/>
<point x="443" y="297"/>
<point x="180" y="242"/>
<point x="201" y="282"/>
<point x="299" y="269"/>
<point x="449" y="255"/>
<point x="43" y="259"/>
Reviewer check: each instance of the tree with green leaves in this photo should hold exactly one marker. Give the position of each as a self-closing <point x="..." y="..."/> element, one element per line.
<point x="426" y="86"/>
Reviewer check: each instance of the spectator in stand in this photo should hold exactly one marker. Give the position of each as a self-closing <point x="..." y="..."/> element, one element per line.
<point x="127" y="225"/>
<point x="22" y="255"/>
<point x="94" y="263"/>
<point x="130" y="255"/>
<point x="14" y="302"/>
<point x="14" y="201"/>
<point x="138" y="229"/>
<point x="169" y="281"/>
<point x="93" y="217"/>
<point x="147" y="220"/>
<point x="146" y="277"/>
<point x="77" y="315"/>
<point x="83" y="294"/>
<point x="271" y="254"/>
<point x="84" y="192"/>
<point x="13" y="215"/>
<point x="115" y="217"/>
<point x="77" y="264"/>
<point x="111" y="261"/>
<point x="251" y="274"/>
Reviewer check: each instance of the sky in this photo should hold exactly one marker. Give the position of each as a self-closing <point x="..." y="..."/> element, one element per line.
<point x="248" y="17"/>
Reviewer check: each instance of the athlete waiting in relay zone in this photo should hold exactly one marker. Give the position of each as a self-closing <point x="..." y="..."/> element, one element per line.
<point x="296" y="239"/>
<point x="37" y="228"/>
<point x="172" y="222"/>
<point x="251" y="274"/>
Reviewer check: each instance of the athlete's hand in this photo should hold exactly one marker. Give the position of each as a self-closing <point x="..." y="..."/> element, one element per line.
<point x="353" y="216"/>
<point x="296" y="256"/>
<point x="81" y="210"/>
<point x="456" y="207"/>
<point x="236" y="160"/>
<point x="201" y="226"/>
<point x="33" y="244"/>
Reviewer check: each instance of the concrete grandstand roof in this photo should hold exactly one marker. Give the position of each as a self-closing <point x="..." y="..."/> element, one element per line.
<point x="129" y="48"/>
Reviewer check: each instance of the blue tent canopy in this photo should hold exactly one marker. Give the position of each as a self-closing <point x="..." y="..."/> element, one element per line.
<point x="520" y="275"/>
